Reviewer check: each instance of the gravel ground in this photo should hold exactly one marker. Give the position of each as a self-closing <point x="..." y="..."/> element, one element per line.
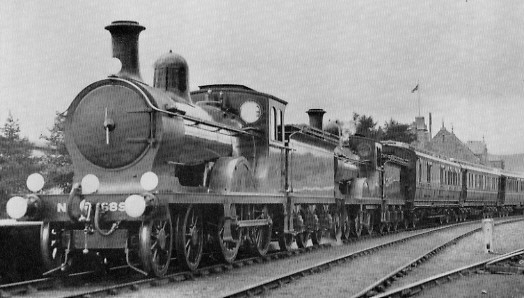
<point x="506" y="238"/>
<point x="483" y="286"/>
<point x="342" y="280"/>
<point x="349" y="279"/>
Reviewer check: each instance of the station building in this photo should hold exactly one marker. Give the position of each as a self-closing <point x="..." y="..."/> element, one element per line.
<point x="447" y="144"/>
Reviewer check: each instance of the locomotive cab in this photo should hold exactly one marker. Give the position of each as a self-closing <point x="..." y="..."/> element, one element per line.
<point x="258" y="114"/>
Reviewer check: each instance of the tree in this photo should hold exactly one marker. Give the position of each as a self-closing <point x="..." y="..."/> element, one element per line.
<point x="395" y="131"/>
<point x="16" y="160"/>
<point x="11" y="129"/>
<point x="59" y="168"/>
<point x="366" y="126"/>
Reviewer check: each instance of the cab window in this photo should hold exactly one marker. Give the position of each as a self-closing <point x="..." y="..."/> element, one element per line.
<point x="276" y="125"/>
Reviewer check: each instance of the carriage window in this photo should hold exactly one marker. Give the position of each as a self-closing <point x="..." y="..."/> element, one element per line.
<point x="441" y="176"/>
<point x="420" y="171"/>
<point x="428" y="172"/>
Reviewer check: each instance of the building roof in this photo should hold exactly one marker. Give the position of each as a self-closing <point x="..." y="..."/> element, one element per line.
<point x="477" y="147"/>
<point x="448" y="144"/>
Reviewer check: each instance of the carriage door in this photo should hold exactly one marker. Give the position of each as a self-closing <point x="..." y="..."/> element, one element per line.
<point x="502" y="190"/>
<point x="464" y="190"/>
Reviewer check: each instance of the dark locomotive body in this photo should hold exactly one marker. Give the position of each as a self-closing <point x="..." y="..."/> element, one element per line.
<point x="160" y="172"/>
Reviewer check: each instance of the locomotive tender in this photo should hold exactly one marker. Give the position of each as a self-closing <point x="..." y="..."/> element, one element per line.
<point x="160" y="172"/>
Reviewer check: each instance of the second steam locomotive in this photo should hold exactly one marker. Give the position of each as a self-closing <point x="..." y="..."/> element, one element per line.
<point x="160" y="173"/>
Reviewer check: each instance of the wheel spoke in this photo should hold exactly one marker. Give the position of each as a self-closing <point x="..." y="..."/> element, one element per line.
<point x="154" y="245"/>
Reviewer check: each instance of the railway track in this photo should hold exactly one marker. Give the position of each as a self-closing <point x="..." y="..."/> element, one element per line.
<point x="388" y="280"/>
<point x="61" y="286"/>
<point x="53" y="285"/>
<point x="491" y="265"/>
<point x="46" y="284"/>
<point x="279" y="281"/>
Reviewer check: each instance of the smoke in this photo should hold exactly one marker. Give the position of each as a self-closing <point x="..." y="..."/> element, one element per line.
<point x="344" y="129"/>
<point x="347" y="129"/>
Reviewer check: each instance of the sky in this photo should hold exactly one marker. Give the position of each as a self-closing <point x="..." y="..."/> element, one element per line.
<point x="343" y="56"/>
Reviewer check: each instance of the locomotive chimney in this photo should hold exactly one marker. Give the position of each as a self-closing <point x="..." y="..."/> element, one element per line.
<point x="125" y="47"/>
<point x="315" y="118"/>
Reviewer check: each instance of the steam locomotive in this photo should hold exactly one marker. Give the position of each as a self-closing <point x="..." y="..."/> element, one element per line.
<point x="160" y="172"/>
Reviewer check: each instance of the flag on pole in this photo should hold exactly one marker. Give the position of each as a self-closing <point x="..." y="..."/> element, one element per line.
<point x="414" y="89"/>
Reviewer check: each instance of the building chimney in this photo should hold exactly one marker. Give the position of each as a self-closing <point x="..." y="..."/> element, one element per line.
<point x="125" y="47"/>
<point x="430" y="127"/>
<point x="315" y="118"/>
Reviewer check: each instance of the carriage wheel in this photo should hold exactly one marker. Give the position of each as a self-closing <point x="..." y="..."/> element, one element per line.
<point x="369" y="223"/>
<point x="455" y="216"/>
<point x="51" y="246"/>
<point x="285" y="241"/>
<point x="357" y="225"/>
<point x="394" y="226"/>
<point x="302" y="239"/>
<point x="335" y="230"/>
<point x="316" y="235"/>
<point x="414" y="221"/>
<point x="261" y="235"/>
<point x="189" y="239"/>
<point x="384" y="228"/>
<point x="156" y="245"/>
<point x="405" y="223"/>
<point x="346" y="226"/>
<point x="440" y="220"/>
<point x="229" y="248"/>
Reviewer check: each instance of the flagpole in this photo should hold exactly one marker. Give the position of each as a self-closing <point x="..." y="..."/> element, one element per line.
<point x="418" y="91"/>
